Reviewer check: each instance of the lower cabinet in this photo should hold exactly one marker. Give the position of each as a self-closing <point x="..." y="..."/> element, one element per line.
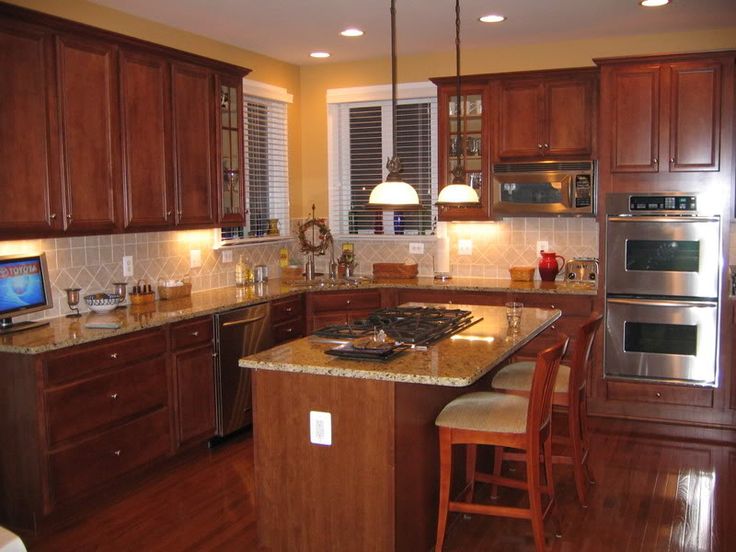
<point x="340" y="307"/>
<point x="287" y="318"/>
<point x="194" y="380"/>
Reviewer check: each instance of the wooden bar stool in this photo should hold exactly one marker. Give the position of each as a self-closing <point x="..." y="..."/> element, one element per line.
<point x="505" y="420"/>
<point x="570" y="395"/>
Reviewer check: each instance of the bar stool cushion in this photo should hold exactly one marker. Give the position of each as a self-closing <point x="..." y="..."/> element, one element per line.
<point x="518" y="377"/>
<point x="486" y="411"/>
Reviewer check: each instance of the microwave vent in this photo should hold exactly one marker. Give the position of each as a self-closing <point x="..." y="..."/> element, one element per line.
<point x="543" y="166"/>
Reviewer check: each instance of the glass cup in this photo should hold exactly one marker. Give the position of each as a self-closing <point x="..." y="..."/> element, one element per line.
<point x="513" y="315"/>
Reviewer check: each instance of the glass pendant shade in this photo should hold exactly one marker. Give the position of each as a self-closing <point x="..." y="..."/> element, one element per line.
<point x="458" y="194"/>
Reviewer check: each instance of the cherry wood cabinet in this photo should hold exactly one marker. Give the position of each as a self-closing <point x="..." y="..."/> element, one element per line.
<point x="287" y="319"/>
<point x="548" y="117"/>
<point x="194" y="379"/>
<point x="146" y="131"/>
<point x="230" y="177"/>
<point x="340" y="307"/>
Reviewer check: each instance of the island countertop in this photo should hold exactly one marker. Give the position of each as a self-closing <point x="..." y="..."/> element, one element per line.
<point x="457" y="361"/>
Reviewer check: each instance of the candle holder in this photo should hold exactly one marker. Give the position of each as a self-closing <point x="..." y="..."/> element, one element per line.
<point x="72" y="299"/>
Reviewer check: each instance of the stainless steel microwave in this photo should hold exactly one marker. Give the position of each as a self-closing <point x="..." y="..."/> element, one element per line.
<point x="544" y="188"/>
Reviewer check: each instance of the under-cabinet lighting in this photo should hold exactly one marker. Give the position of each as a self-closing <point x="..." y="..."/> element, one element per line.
<point x="352" y="31"/>
<point x="320" y="55"/>
<point x="492" y="18"/>
<point x="654" y="3"/>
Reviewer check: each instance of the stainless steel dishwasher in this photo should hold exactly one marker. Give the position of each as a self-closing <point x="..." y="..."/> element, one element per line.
<point x="238" y="333"/>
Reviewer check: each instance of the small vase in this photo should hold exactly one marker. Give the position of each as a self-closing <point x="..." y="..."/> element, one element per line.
<point x="398" y="222"/>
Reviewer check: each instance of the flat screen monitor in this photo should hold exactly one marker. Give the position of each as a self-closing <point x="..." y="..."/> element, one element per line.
<point x="24" y="288"/>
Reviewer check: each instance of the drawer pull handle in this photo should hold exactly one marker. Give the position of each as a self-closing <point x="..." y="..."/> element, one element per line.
<point x="659" y="395"/>
<point x="289" y="330"/>
<point x="195" y="333"/>
<point x="113" y="396"/>
<point x="117" y="452"/>
<point x="113" y="355"/>
<point x="288" y="309"/>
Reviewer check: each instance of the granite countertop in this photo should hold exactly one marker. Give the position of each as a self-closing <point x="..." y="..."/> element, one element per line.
<point x="457" y="361"/>
<point x="66" y="332"/>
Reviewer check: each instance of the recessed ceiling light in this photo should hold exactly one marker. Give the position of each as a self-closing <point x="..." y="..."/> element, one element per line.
<point x="492" y="18"/>
<point x="654" y="3"/>
<point x="320" y="54"/>
<point x="352" y="31"/>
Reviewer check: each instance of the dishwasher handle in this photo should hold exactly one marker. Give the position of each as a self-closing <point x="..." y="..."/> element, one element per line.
<point x="243" y="321"/>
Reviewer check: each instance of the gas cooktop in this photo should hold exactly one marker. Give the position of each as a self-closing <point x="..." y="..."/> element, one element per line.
<point x="411" y="325"/>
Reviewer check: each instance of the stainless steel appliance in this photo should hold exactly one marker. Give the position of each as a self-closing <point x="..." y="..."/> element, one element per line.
<point x="238" y="333"/>
<point x="544" y="188"/>
<point x="662" y="282"/>
<point x="582" y="269"/>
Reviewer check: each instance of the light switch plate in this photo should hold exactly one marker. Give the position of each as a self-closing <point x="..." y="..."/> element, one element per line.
<point x="416" y="248"/>
<point x="195" y="258"/>
<point x="465" y="247"/>
<point x="320" y="428"/>
<point x="127" y="266"/>
<point x="226" y="256"/>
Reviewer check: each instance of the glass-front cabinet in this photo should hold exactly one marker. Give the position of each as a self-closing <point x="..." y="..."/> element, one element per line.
<point x="230" y="121"/>
<point x="464" y="137"/>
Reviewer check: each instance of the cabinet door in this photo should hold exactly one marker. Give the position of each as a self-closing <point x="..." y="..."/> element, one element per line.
<point x="195" y="394"/>
<point x="144" y="108"/>
<point x="193" y="111"/>
<point x="569" y="118"/>
<point x="695" y="111"/>
<point x="28" y="155"/>
<point x="230" y="177"/>
<point x="520" y="119"/>
<point x="635" y="119"/>
<point x="90" y="137"/>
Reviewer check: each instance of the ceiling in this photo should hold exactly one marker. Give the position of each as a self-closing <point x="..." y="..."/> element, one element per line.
<point x="289" y="29"/>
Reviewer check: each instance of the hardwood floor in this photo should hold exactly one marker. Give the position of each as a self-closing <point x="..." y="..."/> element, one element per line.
<point x="651" y="495"/>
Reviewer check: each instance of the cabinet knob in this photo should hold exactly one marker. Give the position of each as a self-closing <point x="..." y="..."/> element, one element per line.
<point x="539" y="146"/>
<point x="195" y="333"/>
<point x="214" y="355"/>
<point x="655" y="160"/>
<point x="52" y="216"/>
<point x="117" y="452"/>
<point x="178" y="213"/>
<point x="672" y="159"/>
<point x="659" y="395"/>
<point x="113" y="396"/>
<point x="168" y="213"/>
<point x="347" y="301"/>
<point x="546" y="146"/>
<point x="288" y="309"/>
<point x="289" y="330"/>
<point x="113" y="355"/>
<point x="69" y="217"/>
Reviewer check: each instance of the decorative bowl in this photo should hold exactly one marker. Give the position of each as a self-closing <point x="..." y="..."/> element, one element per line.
<point x="102" y="302"/>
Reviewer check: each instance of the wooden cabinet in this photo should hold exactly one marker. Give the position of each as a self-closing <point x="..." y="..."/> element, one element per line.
<point x="146" y="130"/>
<point x="665" y="115"/>
<point x="287" y="318"/>
<point x="230" y="179"/>
<point x="28" y="177"/>
<point x="90" y="133"/>
<point x="465" y="138"/>
<point x="194" y="379"/>
<point x="340" y="307"/>
<point x="548" y="117"/>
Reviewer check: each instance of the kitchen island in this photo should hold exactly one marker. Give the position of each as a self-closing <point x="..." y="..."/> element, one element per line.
<point x="375" y="486"/>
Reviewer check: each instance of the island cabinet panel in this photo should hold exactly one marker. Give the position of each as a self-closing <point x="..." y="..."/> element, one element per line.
<point x="146" y="131"/>
<point x="29" y="177"/>
<point x="90" y="133"/>
<point x="193" y="114"/>
<point x="194" y="380"/>
<point x="287" y="317"/>
<point x="340" y="307"/>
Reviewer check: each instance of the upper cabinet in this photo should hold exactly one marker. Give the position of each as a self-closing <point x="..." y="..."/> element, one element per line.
<point x="663" y="119"/>
<point x="101" y="133"/>
<point x="545" y="117"/>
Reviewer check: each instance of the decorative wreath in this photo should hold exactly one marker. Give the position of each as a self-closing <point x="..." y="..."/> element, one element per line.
<point x="325" y="237"/>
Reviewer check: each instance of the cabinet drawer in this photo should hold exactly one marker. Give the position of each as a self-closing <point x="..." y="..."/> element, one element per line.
<point x="659" y="393"/>
<point x="80" y="468"/>
<point x="287" y="309"/>
<point x="348" y="300"/>
<point x="190" y="333"/>
<point x="76" y="409"/>
<point x="109" y="354"/>
<point x="286" y="331"/>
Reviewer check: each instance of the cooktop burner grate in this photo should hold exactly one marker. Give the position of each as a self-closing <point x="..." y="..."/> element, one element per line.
<point x="413" y="325"/>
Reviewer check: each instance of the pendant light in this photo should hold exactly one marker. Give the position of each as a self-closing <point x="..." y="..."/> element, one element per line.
<point x="393" y="193"/>
<point x="458" y="193"/>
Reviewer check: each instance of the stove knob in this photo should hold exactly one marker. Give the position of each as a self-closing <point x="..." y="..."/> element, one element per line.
<point x="571" y="276"/>
<point x="592" y="275"/>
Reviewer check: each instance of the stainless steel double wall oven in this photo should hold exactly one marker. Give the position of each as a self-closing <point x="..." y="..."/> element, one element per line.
<point x="662" y="282"/>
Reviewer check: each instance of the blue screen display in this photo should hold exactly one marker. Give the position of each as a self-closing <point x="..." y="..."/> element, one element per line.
<point x="21" y="285"/>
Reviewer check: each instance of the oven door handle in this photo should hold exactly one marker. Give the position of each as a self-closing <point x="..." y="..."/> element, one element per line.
<point x="673" y="218"/>
<point x="660" y="303"/>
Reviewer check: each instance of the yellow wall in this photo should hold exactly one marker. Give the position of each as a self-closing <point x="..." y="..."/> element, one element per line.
<point x="263" y="68"/>
<point x="317" y="79"/>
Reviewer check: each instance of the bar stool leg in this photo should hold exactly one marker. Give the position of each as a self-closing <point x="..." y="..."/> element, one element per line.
<point x="497" y="462"/>
<point x="444" y="499"/>
<point x="471" y="455"/>
<point x="575" y="430"/>
<point x="550" y="483"/>
<point x="535" y="501"/>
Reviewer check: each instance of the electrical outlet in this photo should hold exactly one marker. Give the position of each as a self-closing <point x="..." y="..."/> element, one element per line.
<point x="542" y="245"/>
<point x="127" y="266"/>
<point x="320" y="428"/>
<point x="195" y="258"/>
<point x="226" y="256"/>
<point x="465" y="247"/>
<point x="416" y="248"/>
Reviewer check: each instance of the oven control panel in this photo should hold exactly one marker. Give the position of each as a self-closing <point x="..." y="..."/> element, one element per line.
<point x="686" y="203"/>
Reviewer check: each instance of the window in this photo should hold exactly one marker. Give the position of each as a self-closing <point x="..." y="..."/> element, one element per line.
<point x="361" y="142"/>
<point x="265" y="165"/>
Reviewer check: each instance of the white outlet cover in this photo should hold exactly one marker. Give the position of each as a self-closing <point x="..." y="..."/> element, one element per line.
<point x="320" y="428"/>
<point x="542" y="245"/>
<point x="195" y="258"/>
<point x="127" y="266"/>
<point x="465" y="247"/>
<point x="226" y="256"/>
<point x="416" y="248"/>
